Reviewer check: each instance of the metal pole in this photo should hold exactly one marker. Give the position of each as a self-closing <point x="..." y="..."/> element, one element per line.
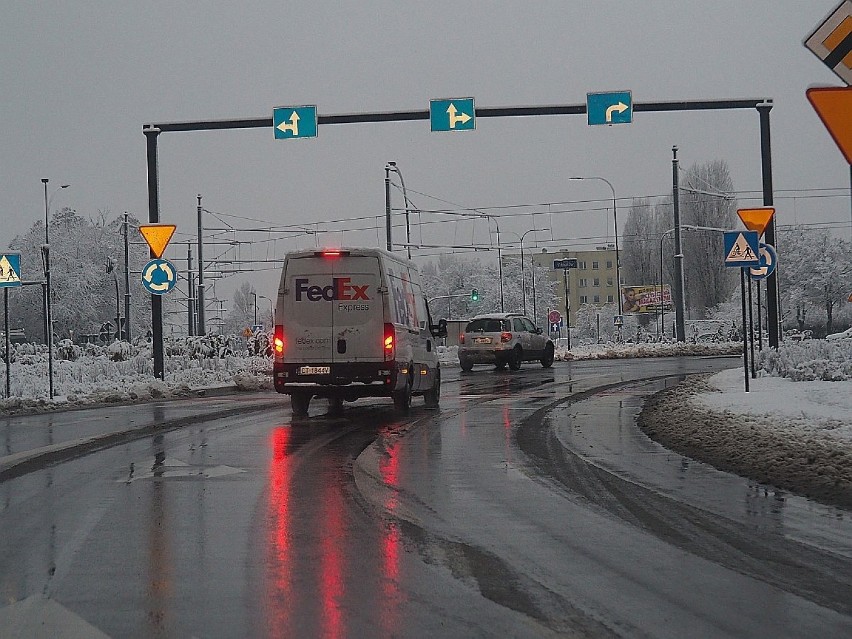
<point x="127" y="331"/>
<point x="190" y="311"/>
<point x="750" y="325"/>
<point x="388" y="208"/>
<point x="772" y="297"/>
<point x="567" y="308"/>
<point x="48" y="320"/>
<point x="745" y="333"/>
<point x="680" y="308"/>
<point x="759" y="320"/>
<point x="523" y="277"/>
<point x="255" y="308"/>
<point x="8" y="341"/>
<point x="151" y="134"/>
<point x="202" y="329"/>
<point x="662" y="306"/>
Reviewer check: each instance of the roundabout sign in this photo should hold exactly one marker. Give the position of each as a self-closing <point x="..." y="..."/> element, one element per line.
<point x="159" y="276"/>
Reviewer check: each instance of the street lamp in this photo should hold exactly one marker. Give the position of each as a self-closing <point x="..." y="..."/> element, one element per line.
<point x="524" y="277"/>
<point x="110" y="268"/>
<point x="391" y="166"/>
<point x="271" y="311"/>
<point x="615" y="228"/>
<point x="48" y="319"/>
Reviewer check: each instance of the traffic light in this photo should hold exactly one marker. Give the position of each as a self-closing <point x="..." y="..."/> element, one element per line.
<point x="474" y="295"/>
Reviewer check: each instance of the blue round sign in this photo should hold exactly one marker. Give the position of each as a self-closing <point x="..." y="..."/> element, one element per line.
<point x="768" y="262"/>
<point x="159" y="276"/>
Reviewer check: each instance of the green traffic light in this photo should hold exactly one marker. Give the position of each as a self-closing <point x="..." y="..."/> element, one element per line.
<point x="474" y="295"/>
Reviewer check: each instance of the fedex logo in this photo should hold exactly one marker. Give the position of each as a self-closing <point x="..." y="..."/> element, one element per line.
<point x="339" y="289"/>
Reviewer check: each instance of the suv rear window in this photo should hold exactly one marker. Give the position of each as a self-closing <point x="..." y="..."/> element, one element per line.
<point x="485" y="325"/>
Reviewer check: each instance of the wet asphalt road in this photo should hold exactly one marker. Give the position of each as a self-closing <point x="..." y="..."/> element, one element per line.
<point x="529" y="505"/>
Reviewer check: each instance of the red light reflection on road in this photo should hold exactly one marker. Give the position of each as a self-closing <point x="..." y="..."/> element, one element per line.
<point x="332" y="544"/>
<point x="391" y="542"/>
<point x="279" y="579"/>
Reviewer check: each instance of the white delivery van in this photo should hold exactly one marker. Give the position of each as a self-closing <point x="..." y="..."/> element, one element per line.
<point x="352" y="323"/>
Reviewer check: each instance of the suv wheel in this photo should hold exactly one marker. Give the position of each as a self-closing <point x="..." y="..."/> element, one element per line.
<point x="433" y="395"/>
<point x="466" y="365"/>
<point x="547" y="358"/>
<point x="516" y="358"/>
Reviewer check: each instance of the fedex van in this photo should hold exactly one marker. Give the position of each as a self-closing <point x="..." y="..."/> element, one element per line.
<point x="352" y="323"/>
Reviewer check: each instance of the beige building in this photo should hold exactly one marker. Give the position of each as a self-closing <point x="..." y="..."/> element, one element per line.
<point x="592" y="282"/>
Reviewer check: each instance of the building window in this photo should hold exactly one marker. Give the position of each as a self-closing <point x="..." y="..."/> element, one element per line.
<point x="597" y="281"/>
<point x="597" y="299"/>
<point x="609" y="263"/>
<point x="609" y="281"/>
<point x="595" y="265"/>
<point x="584" y="299"/>
<point x="610" y="299"/>
<point x="582" y="264"/>
<point x="583" y="282"/>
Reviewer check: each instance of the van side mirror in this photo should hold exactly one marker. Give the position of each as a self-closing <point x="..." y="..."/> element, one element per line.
<point x="439" y="329"/>
<point x="538" y="330"/>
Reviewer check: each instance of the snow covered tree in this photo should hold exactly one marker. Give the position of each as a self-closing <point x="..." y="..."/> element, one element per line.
<point x="814" y="270"/>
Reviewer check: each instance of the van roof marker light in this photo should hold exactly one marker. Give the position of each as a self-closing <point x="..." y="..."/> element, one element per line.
<point x="331" y="253"/>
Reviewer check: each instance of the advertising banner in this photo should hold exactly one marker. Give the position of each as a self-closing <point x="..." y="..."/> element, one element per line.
<point x="646" y="298"/>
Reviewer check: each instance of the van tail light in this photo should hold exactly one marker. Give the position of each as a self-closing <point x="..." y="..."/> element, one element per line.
<point x="461" y="338"/>
<point x="505" y="337"/>
<point x="389" y="341"/>
<point x="278" y="339"/>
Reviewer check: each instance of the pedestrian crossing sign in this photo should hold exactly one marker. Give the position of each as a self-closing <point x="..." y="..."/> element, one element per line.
<point x="10" y="270"/>
<point x="741" y="248"/>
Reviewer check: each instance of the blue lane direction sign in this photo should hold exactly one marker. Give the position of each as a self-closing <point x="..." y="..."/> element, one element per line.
<point x="741" y="249"/>
<point x="10" y="270"/>
<point x="615" y="107"/>
<point x="159" y="276"/>
<point x="454" y="114"/>
<point x="768" y="262"/>
<point x="566" y="263"/>
<point x="294" y="122"/>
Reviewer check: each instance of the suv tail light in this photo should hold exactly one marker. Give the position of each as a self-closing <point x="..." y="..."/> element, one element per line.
<point x="505" y="337"/>
<point x="278" y="340"/>
<point x="388" y="341"/>
<point x="461" y="338"/>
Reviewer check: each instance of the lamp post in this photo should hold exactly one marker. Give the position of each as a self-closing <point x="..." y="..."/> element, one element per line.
<point x="391" y="166"/>
<point x="110" y="268"/>
<point x="48" y="319"/>
<point x="615" y="229"/>
<point x="523" y="273"/>
<point x="271" y="311"/>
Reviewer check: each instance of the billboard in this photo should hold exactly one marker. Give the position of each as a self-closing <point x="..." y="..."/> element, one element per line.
<point x="645" y="298"/>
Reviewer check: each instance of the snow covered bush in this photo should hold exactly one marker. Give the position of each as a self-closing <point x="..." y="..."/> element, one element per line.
<point x="809" y="360"/>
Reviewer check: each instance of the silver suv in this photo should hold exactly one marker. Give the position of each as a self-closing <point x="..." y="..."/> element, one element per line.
<point x="501" y="339"/>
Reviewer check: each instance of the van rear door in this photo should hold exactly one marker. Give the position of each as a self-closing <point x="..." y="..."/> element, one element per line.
<point x="357" y="310"/>
<point x="307" y="316"/>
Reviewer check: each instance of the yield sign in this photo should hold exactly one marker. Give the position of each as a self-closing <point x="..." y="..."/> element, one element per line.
<point x="756" y="219"/>
<point x="157" y="236"/>
<point x="833" y="105"/>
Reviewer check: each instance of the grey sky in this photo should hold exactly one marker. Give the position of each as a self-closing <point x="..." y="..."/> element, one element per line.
<point x="81" y="78"/>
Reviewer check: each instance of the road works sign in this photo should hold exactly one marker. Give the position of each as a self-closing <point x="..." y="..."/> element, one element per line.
<point x="456" y="114"/>
<point x="609" y="108"/>
<point x="832" y="41"/>
<point x="756" y="219"/>
<point x="157" y="236"/>
<point x="834" y="107"/>
<point x="10" y="270"/>
<point x="741" y="248"/>
<point x="294" y="122"/>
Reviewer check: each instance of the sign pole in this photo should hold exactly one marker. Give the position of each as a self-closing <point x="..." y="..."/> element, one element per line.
<point x="8" y="341"/>
<point x="151" y="134"/>
<point x="745" y="334"/>
<point x="567" y="310"/>
<point x="751" y="328"/>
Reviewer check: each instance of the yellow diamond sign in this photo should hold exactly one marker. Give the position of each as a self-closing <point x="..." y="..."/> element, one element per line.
<point x="756" y="219"/>
<point x="157" y="236"/>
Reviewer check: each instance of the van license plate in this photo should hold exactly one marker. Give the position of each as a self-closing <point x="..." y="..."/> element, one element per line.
<point x="481" y="340"/>
<point x="315" y="370"/>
